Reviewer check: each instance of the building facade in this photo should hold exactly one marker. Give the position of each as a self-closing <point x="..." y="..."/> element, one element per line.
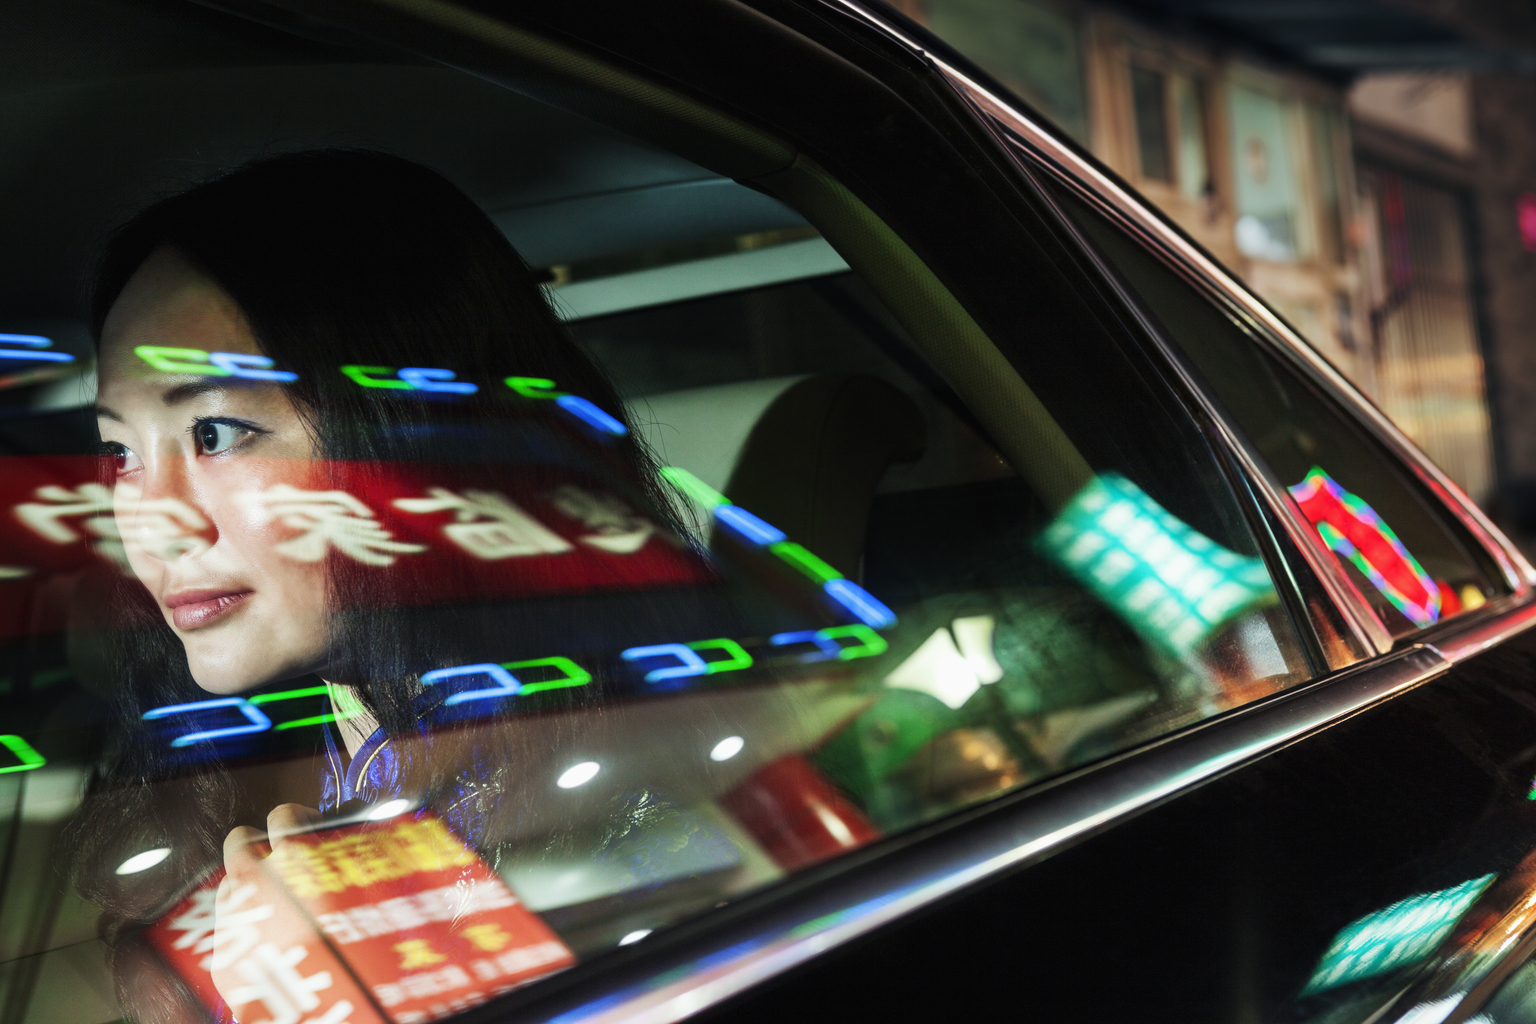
<point x="1367" y="253"/>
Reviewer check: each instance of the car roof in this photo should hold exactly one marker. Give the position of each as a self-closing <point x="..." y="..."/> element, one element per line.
<point x="161" y="94"/>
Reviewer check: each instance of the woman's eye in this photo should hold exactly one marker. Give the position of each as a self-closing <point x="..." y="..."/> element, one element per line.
<point x="123" y="458"/>
<point x="214" y="437"/>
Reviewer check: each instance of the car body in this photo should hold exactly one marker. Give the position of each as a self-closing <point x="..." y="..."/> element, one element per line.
<point x="1312" y="804"/>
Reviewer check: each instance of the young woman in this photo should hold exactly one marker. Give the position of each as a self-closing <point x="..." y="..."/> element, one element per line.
<point x="281" y="273"/>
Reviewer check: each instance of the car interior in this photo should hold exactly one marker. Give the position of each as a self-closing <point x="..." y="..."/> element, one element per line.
<point x="788" y="352"/>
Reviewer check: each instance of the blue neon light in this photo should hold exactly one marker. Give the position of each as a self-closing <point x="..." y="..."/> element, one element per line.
<point x="506" y="683"/>
<point x="250" y="367"/>
<point x="827" y="648"/>
<point x="34" y="342"/>
<point x="587" y="413"/>
<point x="426" y="379"/>
<point x="748" y="525"/>
<point x="692" y="664"/>
<point x="258" y="722"/>
<point x="860" y="603"/>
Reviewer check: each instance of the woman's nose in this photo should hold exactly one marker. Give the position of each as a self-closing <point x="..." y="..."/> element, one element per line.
<point x="162" y="518"/>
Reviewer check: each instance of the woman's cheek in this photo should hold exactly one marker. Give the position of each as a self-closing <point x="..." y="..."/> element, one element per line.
<point x="248" y="520"/>
<point x="126" y="511"/>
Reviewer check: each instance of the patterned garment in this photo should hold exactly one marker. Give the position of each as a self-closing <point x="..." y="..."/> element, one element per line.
<point x="376" y="772"/>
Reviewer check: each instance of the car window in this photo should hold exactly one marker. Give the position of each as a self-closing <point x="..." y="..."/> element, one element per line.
<point x="430" y="618"/>
<point x="1398" y="545"/>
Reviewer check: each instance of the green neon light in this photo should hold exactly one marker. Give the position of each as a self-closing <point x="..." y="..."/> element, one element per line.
<point x="737" y="658"/>
<point x="308" y="691"/>
<point x="534" y="387"/>
<point x="870" y="644"/>
<point x="179" y="360"/>
<point x="299" y="723"/>
<point x="28" y="757"/>
<point x="575" y="675"/>
<point x="359" y="374"/>
<point x="693" y="488"/>
<point x="801" y="559"/>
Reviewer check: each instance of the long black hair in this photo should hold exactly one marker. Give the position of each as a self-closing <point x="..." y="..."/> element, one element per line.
<point x="333" y="257"/>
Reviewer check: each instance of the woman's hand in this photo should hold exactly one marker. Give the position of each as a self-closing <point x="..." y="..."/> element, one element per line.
<point x="244" y="897"/>
<point x="245" y="847"/>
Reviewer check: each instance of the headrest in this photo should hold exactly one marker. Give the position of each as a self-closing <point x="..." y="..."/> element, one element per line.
<point x="704" y="429"/>
<point x="812" y="462"/>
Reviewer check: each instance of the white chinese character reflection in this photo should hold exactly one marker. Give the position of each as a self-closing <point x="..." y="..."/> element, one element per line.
<point x="164" y="527"/>
<point x="221" y="925"/>
<point x="327" y="519"/>
<point x="488" y="525"/>
<point x="615" y="526"/>
<point x="56" y="503"/>
<point x="197" y="922"/>
<point x="273" y="980"/>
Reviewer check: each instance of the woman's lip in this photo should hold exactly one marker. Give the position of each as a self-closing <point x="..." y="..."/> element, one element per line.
<point x="191" y="609"/>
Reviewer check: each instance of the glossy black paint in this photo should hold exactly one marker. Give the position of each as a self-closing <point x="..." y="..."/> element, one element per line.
<point x="1216" y="905"/>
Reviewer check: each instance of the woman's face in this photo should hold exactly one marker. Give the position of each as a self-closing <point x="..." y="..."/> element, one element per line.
<point x="195" y="454"/>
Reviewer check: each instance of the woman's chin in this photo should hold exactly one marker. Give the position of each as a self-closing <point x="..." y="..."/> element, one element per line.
<point x="224" y="679"/>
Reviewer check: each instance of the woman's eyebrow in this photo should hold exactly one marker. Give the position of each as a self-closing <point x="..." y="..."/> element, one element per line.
<point x="102" y="410"/>
<point x="192" y="389"/>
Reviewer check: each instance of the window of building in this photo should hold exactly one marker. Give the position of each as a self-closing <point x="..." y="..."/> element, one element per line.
<point x="1264" y="170"/>
<point x="1168" y="110"/>
<point x="1324" y="127"/>
<point x="1150" y="102"/>
<point x="1430" y="376"/>
<point x="1194" y="166"/>
<point x="1031" y="48"/>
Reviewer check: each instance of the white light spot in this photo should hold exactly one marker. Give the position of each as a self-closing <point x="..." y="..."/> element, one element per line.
<point x="578" y="775"/>
<point x="634" y="936"/>
<point x="143" y="861"/>
<point x="727" y="748"/>
<point x="388" y="809"/>
<point x="938" y="669"/>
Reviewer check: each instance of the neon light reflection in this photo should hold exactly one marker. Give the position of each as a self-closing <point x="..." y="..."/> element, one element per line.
<point x="212" y="364"/>
<point x="851" y="597"/>
<point x="255" y="720"/>
<point x="30" y="344"/>
<point x="1353" y="530"/>
<point x="1170" y="583"/>
<point x="506" y="683"/>
<point x="24" y="752"/>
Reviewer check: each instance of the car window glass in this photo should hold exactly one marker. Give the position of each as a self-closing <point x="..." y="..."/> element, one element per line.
<point x="389" y="663"/>
<point x="1397" y="544"/>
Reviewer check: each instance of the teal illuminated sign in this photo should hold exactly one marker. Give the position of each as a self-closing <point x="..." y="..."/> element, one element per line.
<point x="1404" y="933"/>
<point x="1170" y="583"/>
